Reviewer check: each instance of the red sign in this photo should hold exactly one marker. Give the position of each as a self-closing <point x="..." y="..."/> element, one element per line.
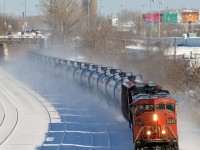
<point x="152" y="18"/>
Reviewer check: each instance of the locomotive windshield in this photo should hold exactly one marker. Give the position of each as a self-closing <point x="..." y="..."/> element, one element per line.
<point x="149" y="107"/>
<point x="143" y="108"/>
<point x="160" y="106"/>
<point x="137" y="109"/>
<point x="169" y="107"/>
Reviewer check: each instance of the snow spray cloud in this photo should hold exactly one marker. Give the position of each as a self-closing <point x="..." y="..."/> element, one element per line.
<point x="188" y="123"/>
<point x="78" y="103"/>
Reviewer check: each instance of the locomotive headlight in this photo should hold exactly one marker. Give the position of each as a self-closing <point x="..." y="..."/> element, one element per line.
<point x="155" y="117"/>
<point x="163" y="132"/>
<point x="148" y="132"/>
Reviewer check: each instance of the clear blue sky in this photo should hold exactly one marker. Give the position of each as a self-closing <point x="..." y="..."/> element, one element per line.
<point x="108" y="6"/>
<point x="16" y="7"/>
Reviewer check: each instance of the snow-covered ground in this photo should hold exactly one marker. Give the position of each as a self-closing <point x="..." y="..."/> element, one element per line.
<point x="189" y="125"/>
<point x="23" y="119"/>
<point x="181" y="52"/>
<point x="87" y="122"/>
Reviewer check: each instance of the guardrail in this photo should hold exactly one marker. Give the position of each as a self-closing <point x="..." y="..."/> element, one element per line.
<point x="23" y="40"/>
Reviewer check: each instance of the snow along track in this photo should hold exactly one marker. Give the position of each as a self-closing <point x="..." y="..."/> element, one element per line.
<point x="86" y="121"/>
<point x="10" y="117"/>
<point x="2" y="114"/>
<point x="26" y="120"/>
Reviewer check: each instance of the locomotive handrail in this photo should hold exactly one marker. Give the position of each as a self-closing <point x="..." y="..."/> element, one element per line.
<point x="141" y="129"/>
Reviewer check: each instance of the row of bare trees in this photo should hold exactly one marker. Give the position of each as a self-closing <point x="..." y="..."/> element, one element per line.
<point x="63" y="16"/>
<point x="102" y="43"/>
<point x="9" y="20"/>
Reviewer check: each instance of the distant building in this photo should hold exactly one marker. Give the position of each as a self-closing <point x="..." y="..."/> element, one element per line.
<point x="89" y="7"/>
<point x="93" y="8"/>
<point x="113" y="22"/>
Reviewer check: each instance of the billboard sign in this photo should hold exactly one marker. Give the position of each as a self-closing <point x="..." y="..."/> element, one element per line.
<point x="190" y="16"/>
<point x="151" y="18"/>
<point x="170" y="18"/>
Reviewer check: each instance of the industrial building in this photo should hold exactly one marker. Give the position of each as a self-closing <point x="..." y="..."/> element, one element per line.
<point x="89" y="8"/>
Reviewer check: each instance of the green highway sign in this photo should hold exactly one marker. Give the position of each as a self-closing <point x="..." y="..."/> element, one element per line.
<point x="170" y="18"/>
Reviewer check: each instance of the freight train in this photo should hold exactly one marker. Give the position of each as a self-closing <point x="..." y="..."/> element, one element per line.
<point x="150" y="111"/>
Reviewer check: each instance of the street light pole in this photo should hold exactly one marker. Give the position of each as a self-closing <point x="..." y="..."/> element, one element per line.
<point x="25" y="23"/>
<point x="100" y="10"/>
<point x="151" y="21"/>
<point x="4" y="13"/>
<point x="88" y="13"/>
<point x="150" y="18"/>
<point x="160" y="3"/>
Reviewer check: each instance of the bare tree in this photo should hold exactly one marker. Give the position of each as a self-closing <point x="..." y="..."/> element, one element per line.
<point x="62" y="16"/>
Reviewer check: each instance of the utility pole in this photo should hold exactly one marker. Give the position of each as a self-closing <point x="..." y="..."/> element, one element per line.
<point x="100" y="10"/>
<point x="151" y="18"/>
<point x="25" y="22"/>
<point x="4" y="17"/>
<point x="88" y="12"/>
<point x="160" y="3"/>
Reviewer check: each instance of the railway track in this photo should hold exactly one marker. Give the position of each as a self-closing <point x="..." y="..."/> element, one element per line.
<point x="79" y="124"/>
<point x="10" y="117"/>
<point x="24" y="121"/>
<point x="82" y="115"/>
<point x="2" y="114"/>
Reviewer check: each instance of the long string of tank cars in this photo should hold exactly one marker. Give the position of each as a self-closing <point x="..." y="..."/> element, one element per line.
<point x="150" y="110"/>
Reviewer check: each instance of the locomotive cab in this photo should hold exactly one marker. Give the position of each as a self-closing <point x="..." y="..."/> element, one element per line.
<point x="152" y="113"/>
